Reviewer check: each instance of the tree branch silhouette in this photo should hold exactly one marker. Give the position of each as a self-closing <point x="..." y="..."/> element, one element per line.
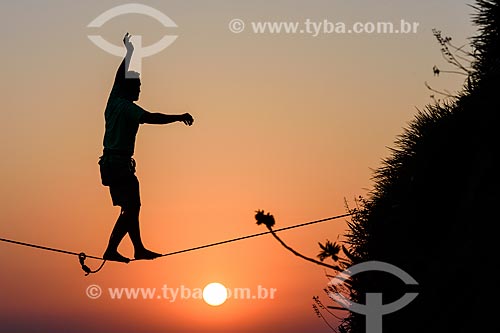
<point x="268" y="221"/>
<point x="449" y="56"/>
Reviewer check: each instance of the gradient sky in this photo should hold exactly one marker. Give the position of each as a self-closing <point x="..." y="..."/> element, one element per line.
<point x="287" y="123"/>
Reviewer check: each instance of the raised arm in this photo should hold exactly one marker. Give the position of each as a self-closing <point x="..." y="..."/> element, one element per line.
<point x="162" y="119"/>
<point x="122" y="70"/>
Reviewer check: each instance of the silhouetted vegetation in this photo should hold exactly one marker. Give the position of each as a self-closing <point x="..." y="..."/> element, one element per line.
<point x="329" y="249"/>
<point x="432" y="210"/>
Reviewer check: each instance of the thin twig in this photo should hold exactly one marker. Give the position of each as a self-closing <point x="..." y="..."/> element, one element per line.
<point x="301" y="255"/>
<point x="438" y="92"/>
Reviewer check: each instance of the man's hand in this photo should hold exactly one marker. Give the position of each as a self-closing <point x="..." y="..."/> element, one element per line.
<point x="187" y="119"/>
<point x="128" y="44"/>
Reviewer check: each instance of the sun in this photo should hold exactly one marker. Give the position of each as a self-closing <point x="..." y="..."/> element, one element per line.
<point x="214" y="294"/>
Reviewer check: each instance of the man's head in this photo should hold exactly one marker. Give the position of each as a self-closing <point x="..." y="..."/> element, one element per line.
<point x="132" y="86"/>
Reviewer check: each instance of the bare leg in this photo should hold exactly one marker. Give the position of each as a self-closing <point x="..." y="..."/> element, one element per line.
<point x="128" y="222"/>
<point x="134" y="232"/>
<point x="119" y="231"/>
<point x="133" y="229"/>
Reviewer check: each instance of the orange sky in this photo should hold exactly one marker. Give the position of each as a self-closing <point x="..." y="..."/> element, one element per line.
<point x="287" y="123"/>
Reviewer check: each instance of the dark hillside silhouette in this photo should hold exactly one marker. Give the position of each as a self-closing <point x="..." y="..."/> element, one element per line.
<point x="434" y="208"/>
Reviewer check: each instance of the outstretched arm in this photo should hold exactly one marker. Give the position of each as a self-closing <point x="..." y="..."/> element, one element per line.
<point x="162" y="119"/>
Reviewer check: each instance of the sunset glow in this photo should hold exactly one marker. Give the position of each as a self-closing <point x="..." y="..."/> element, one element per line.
<point x="290" y="123"/>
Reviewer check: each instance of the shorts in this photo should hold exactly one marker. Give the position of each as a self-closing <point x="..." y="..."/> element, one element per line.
<point x="118" y="172"/>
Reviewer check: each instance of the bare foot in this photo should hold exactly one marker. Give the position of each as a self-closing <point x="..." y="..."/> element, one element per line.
<point x="115" y="256"/>
<point x="146" y="254"/>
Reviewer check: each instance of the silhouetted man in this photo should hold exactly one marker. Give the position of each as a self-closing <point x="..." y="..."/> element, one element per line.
<point x="117" y="166"/>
